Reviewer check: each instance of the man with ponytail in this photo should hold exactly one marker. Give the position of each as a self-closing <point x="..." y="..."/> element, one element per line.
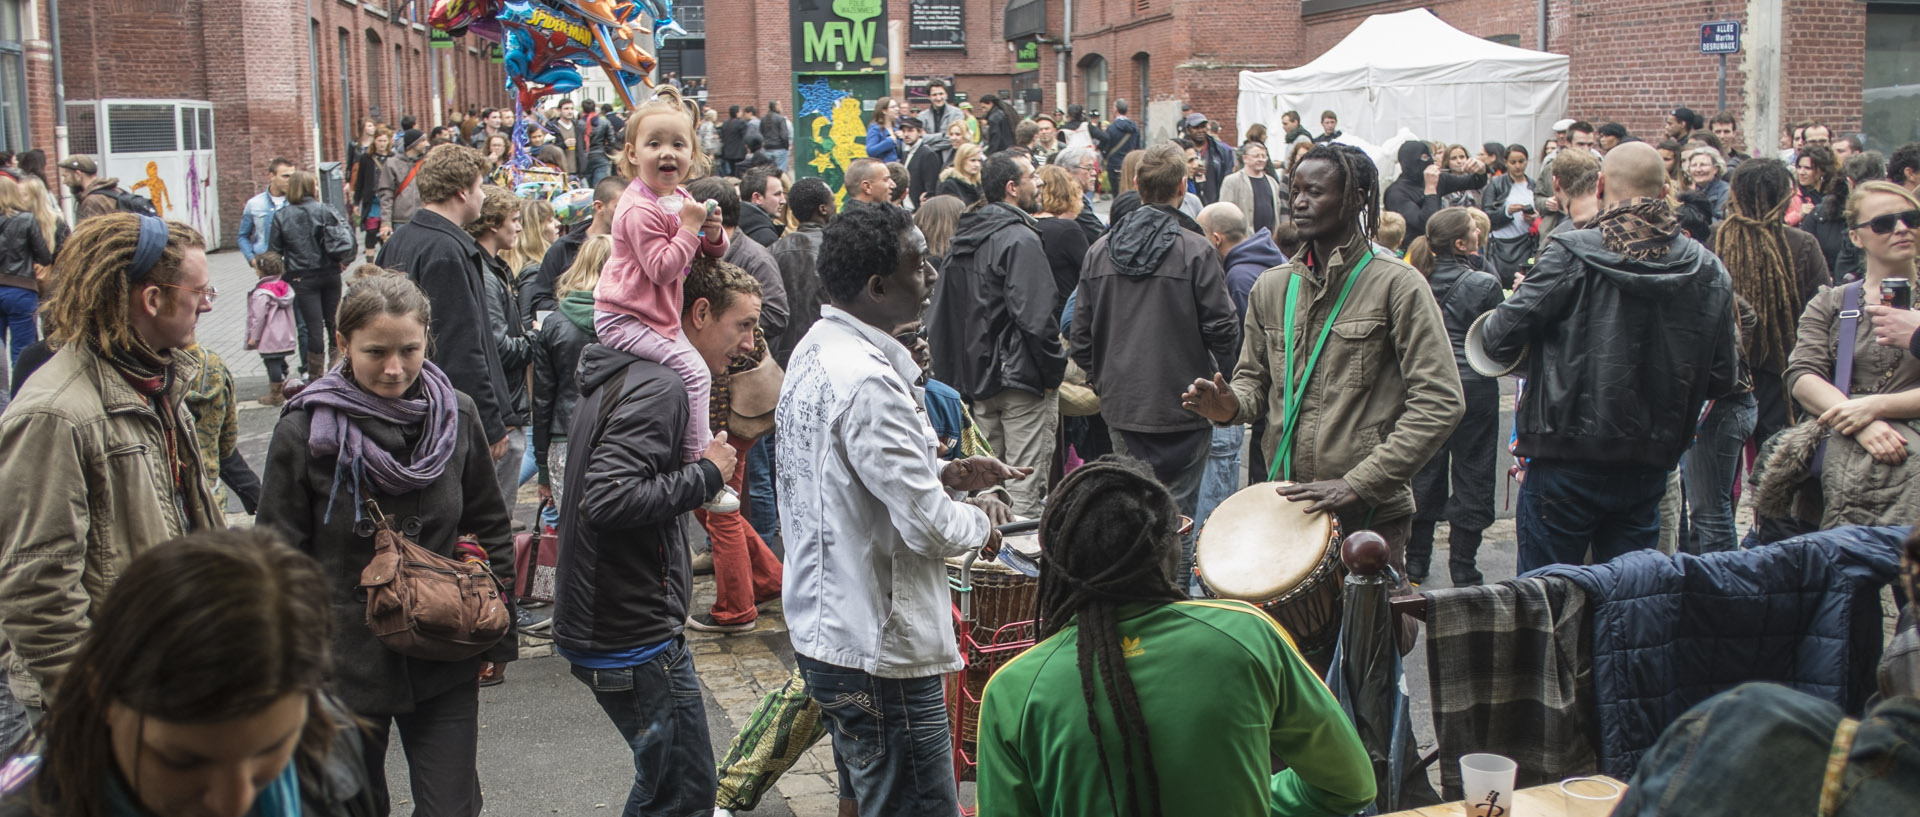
<point x="1355" y="409"/>
<point x="1103" y="717"/>
<point x="98" y="460"/>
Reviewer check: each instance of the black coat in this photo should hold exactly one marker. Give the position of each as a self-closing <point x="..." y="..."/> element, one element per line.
<point x="992" y="323"/>
<point x="1464" y="294"/>
<point x="1623" y="352"/>
<point x="959" y="188"/>
<point x="450" y="267"/>
<point x="923" y="170"/>
<point x="733" y="140"/>
<point x="22" y="245"/>
<point x="625" y="577"/>
<point x="758" y="225"/>
<point x="537" y="295"/>
<point x="371" y="679"/>
<point x="296" y="237"/>
<point x="1408" y="194"/>
<point x="556" y="354"/>
<point x="509" y="329"/>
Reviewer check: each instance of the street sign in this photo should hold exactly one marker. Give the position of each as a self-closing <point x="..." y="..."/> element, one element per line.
<point x="1721" y="37"/>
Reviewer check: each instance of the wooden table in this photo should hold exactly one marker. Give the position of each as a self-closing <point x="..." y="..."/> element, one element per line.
<point x="1539" y="801"/>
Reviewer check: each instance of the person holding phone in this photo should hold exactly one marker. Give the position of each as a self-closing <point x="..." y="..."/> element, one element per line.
<point x="1508" y="203"/>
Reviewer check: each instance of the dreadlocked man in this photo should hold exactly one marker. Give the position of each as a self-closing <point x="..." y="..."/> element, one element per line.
<point x="1104" y="715"/>
<point x="1777" y="269"/>
<point x="1346" y="357"/>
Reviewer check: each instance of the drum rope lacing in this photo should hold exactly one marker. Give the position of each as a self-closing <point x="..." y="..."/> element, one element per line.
<point x="1292" y="398"/>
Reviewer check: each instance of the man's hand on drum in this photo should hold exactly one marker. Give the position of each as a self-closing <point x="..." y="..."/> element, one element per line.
<point x="1326" y="495"/>
<point x="991" y="550"/>
<point x="998" y="512"/>
<point x="1212" y="399"/>
<point x="979" y="473"/>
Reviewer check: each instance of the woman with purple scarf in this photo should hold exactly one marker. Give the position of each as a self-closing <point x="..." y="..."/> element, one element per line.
<point x="386" y="425"/>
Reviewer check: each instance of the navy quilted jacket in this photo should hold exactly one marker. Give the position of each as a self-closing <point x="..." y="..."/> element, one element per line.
<point x="1672" y="631"/>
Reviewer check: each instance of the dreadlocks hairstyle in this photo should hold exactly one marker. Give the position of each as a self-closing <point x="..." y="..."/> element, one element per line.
<point x="93" y="300"/>
<point x="1753" y="243"/>
<point x="1112" y="537"/>
<point x="1361" y="178"/>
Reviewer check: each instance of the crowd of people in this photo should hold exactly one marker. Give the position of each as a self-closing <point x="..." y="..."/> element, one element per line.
<point x="875" y="380"/>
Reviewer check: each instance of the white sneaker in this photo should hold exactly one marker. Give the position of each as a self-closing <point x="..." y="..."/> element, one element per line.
<point x="727" y="501"/>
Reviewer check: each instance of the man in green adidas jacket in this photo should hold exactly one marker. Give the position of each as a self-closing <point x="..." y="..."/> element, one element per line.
<point x="1209" y="691"/>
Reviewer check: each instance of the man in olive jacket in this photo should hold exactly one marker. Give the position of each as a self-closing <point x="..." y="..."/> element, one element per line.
<point x="1384" y="393"/>
<point x="98" y="459"/>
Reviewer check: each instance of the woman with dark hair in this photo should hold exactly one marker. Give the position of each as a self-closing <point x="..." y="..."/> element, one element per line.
<point x="1826" y="219"/>
<point x="366" y="183"/>
<point x="1459" y="161"/>
<point x="386" y="428"/>
<point x="1099" y="718"/>
<point x="997" y="129"/>
<point x="200" y="689"/>
<point x="314" y="276"/>
<point x="1418" y="193"/>
<point x="1457" y="484"/>
<point x="883" y="142"/>
<point x="1670" y="151"/>
<point x="1814" y="169"/>
<point x="34" y="163"/>
<point x="1508" y="203"/>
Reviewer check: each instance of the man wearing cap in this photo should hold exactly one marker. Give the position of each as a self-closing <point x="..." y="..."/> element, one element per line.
<point x="911" y="132"/>
<point x="82" y="177"/>
<point x="399" y="200"/>
<point x="1217" y="156"/>
<point x="1681" y="122"/>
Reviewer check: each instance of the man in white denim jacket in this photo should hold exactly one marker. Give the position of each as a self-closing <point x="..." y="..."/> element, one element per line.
<point x="869" y="516"/>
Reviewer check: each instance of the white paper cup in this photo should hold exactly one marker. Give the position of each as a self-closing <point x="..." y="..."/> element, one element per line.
<point x="1488" y="783"/>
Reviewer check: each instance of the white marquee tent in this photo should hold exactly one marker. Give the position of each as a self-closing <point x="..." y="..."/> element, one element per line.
<point x="1411" y="70"/>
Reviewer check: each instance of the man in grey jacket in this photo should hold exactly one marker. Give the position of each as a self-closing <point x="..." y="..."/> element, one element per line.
<point x="399" y="199"/>
<point x="994" y="336"/>
<point x="1153" y="315"/>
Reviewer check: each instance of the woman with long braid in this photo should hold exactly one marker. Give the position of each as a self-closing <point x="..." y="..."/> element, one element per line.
<point x="1776" y="269"/>
<point x="1140" y="703"/>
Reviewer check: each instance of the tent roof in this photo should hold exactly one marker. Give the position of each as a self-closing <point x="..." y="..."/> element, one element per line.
<point x="1410" y="48"/>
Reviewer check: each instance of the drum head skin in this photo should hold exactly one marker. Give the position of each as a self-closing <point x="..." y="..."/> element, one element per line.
<point x="1257" y="545"/>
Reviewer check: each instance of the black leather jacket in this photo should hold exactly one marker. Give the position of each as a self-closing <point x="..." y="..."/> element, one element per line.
<point x="992" y="323"/>
<point x="22" y="245"/>
<point x="1623" y="352"/>
<point x="1464" y="294"/>
<point x="556" y="354"/>
<point x="296" y="237"/>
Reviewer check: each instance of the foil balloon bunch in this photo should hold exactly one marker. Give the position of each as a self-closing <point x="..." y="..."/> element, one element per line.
<point x="546" y="42"/>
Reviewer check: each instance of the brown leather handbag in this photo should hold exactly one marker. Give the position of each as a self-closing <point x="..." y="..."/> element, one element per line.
<point x="424" y="605"/>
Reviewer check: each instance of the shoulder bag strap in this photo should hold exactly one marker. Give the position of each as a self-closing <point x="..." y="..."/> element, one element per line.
<point x="407" y="181"/>
<point x="1842" y="358"/>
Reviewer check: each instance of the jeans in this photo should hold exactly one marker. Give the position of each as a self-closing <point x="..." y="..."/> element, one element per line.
<point x="528" y="468"/>
<point x="1711" y="468"/>
<point x="890" y="739"/>
<point x="1022" y="427"/>
<point x="597" y="168"/>
<point x="763" y="511"/>
<point x="745" y="572"/>
<point x="1567" y="506"/>
<point x="1182" y="478"/>
<point x="17" y="308"/>
<point x="316" y="297"/>
<point x="779" y="157"/>
<point x="441" y="740"/>
<point x="14" y="724"/>
<point x="1222" y="477"/>
<point x="658" y="710"/>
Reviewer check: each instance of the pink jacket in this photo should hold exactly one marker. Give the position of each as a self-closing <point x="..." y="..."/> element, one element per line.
<point x="651" y="257"/>
<point x="270" y="316"/>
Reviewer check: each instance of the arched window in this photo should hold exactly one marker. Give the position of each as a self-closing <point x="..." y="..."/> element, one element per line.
<point x="376" y="97"/>
<point x="1093" y="79"/>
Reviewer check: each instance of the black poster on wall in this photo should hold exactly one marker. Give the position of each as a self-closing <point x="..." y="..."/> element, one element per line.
<point x="937" y="24"/>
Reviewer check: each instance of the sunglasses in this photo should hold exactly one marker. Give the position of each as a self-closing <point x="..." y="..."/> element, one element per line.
<point x="1882" y="225"/>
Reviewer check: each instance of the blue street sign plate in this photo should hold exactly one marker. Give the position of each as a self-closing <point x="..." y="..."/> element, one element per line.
<point x="1720" y="38"/>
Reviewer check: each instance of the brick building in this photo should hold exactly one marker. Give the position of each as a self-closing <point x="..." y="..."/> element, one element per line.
<point x="193" y="97"/>
<point x="1853" y="65"/>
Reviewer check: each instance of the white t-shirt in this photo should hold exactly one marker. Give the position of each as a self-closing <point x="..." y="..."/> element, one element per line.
<point x="1522" y="193"/>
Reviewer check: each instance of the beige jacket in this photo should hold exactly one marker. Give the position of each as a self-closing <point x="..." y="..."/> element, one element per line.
<point x="84" y="488"/>
<point x="1385" y="394"/>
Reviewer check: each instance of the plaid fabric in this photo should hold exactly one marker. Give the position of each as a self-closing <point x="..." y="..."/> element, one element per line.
<point x="1639" y="228"/>
<point x="785" y="726"/>
<point x="1511" y="666"/>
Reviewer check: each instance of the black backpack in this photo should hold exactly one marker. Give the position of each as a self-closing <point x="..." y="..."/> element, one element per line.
<point x="129" y="202"/>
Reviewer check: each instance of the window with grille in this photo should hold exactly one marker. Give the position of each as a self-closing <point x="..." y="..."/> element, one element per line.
<point x="142" y="128"/>
<point x="13" y="82"/>
<point x="83" y="131"/>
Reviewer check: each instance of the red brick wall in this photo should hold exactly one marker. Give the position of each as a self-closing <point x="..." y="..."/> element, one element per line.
<point x="1826" y="42"/>
<point x="250" y="60"/>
